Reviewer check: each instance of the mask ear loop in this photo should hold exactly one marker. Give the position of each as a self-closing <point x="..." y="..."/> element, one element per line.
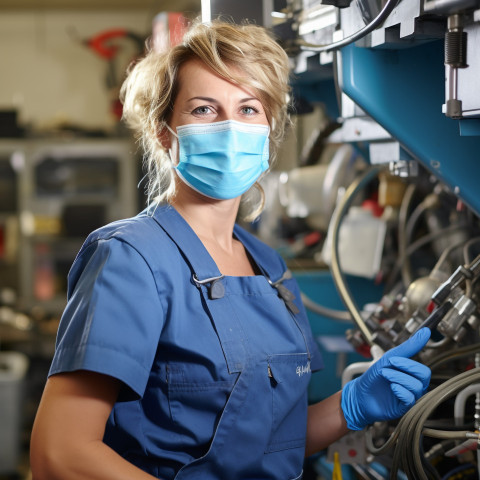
<point x="170" y="155"/>
<point x="257" y="185"/>
<point x="171" y="130"/>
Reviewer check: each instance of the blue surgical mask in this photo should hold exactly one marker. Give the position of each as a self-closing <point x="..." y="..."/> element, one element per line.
<point x="222" y="160"/>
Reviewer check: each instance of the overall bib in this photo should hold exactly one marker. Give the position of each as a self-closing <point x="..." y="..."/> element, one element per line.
<point x="261" y="431"/>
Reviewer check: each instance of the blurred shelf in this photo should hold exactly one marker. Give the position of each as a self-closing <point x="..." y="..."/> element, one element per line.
<point x="64" y="190"/>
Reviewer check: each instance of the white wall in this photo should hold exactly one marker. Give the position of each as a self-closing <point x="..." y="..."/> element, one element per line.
<point x="50" y="77"/>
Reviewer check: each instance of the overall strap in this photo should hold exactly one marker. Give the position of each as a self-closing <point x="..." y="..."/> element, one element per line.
<point x="271" y="265"/>
<point x="208" y="279"/>
<point x="180" y="232"/>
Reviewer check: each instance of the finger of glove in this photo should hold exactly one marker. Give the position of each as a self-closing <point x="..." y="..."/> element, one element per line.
<point x="404" y="380"/>
<point x="413" y="368"/>
<point x="404" y="396"/>
<point x="412" y="346"/>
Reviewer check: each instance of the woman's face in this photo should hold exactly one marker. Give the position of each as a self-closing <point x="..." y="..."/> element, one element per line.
<point x="204" y="97"/>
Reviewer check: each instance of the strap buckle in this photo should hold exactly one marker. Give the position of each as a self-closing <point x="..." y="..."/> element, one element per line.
<point x="216" y="289"/>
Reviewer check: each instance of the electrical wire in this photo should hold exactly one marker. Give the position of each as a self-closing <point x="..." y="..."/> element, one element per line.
<point x="402" y="237"/>
<point x="426" y="403"/>
<point x="373" y="449"/>
<point x="444" y="424"/>
<point x="439" y="344"/>
<point x="457" y="353"/>
<point x="421" y="242"/>
<point x="473" y="267"/>
<point x="439" y="449"/>
<point x="445" y="254"/>
<point x="411" y="426"/>
<point x="364" y="31"/>
<point x="466" y="249"/>
<point x="428" y="202"/>
<point x="337" y="273"/>
<point x="339" y="315"/>
<point x="448" y="434"/>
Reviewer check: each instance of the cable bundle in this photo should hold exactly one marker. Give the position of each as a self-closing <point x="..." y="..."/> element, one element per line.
<point x="408" y="455"/>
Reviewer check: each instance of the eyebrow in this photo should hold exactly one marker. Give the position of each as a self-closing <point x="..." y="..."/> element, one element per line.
<point x="213" y="100"/>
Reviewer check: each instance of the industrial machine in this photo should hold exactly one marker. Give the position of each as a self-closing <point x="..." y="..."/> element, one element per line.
<point x="395" y="203"/>
<point x="398" y="81"/>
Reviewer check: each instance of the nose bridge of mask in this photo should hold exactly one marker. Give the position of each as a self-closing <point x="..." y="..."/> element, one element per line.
<point x="224" y="126"/>
<point x="229" y="135"/>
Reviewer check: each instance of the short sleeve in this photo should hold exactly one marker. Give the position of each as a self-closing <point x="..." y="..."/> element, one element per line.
<point x="113" y="319"/>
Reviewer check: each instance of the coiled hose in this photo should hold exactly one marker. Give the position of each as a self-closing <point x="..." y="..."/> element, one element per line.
<point x="408" y="454"/>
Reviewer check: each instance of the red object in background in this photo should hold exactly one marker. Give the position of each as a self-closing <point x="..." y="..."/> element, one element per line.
<point x="364" y="350"/>
<point x="117" y="108"/>
<point x="107" y="45"/>
<point x="373" y="206"/>
<point x="101" y="45"/>
<point x="430" y="307"/>
<point x="312" y="239"/>
<point x="168" y="29"/>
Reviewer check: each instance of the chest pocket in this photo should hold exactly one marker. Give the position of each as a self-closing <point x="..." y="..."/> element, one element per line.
<point x="289" y="376"/>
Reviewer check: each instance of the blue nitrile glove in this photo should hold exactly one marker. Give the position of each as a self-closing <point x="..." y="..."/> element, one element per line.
<point x="390" y="387"/>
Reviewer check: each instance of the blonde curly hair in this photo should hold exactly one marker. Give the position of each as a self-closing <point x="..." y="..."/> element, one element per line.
<point x="150" y="89"/>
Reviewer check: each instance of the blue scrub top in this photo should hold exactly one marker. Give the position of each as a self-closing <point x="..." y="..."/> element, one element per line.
<point x="215" y="372"/>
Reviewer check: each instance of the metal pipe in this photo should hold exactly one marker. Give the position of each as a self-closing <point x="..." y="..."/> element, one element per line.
<point x="339" y="315"/>
<point x="376" y="22"/>
<point x="447" y="6"/>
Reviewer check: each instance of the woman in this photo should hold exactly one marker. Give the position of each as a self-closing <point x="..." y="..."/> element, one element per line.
<point x="184" y="351"/>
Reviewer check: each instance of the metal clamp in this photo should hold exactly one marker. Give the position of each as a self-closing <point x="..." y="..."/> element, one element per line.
<point x="215" y="290"/>
<point x="287" y="296"/>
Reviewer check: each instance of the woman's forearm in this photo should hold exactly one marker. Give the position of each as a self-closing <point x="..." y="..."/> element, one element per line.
<point x="326" y="424"/>
<point x="66" y="442"/>
<point x="95" y="461"/>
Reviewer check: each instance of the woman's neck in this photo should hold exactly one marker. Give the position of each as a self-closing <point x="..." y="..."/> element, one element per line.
<point x="212" y="220"/>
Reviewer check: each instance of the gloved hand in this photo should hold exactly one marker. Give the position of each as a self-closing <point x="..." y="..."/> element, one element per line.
<point x="390" y="387"/>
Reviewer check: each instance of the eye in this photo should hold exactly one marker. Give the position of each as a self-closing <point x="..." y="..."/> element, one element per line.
<point x="248" y="110"/>
<point x="202" y="110"/>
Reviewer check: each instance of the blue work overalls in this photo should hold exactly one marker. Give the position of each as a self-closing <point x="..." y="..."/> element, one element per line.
<point x="226" y="395"/>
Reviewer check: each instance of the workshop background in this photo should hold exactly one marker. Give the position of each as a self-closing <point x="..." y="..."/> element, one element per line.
<point x="67" y="166"/>
<point x="373" y="201"/>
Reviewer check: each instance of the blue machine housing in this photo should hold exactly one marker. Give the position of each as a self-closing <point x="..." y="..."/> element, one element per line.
<point x="403" y="91"/>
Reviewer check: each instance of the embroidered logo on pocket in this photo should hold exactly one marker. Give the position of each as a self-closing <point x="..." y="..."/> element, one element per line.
<point x="303" y="369"/>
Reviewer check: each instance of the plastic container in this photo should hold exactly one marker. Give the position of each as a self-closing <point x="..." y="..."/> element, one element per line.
<point x="13" y="368"/>
<point x="360" y="243"/>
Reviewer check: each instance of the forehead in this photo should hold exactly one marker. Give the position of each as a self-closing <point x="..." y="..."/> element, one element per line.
<point x="196" y="78"/>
